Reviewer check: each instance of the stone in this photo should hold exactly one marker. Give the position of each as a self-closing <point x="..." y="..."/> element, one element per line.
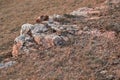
<point x="81" y="12"/>
<point x="25" y="28"/>
<point x="38" y="38"/>
<point x="16" y="49"/>
<point x="45" y="34"/>
<point x="57" y="16"/>
<point x="58" y="41"/>
<point x="110" y="77"/>
<point x="20" y="44"/>
<point x="48" y="41"/>
<point x="104" y="72"/>
<point x="20" y="39"/>
<point x="7" y="64"/>
<point x="39" y="28"/>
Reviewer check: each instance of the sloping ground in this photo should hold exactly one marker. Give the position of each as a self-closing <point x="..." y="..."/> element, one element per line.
<point x="88" y="58"/>
<point x="13" y="13"/>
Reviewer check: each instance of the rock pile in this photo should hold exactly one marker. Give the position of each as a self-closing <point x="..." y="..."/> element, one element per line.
<point x="49" y="32"/>
<point x="45" y="34"/>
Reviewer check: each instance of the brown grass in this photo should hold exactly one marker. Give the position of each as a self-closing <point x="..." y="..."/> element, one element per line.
<point x="14" y="13"/>
<point x="86" y="59"/>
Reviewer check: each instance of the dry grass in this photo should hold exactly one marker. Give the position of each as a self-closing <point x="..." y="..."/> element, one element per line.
<point x="88" y="58"/>
<point x="13" y="13"/>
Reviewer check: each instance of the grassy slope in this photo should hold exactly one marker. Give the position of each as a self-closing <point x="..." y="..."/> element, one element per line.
<point x="13" y="13"/>
<point x="72" y="62"/>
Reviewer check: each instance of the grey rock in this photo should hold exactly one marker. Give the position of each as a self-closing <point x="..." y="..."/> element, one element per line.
<point x="7" y="64"/>
<point x="39" y="28"/>
<point x="25" y="28"/>
<point x="20" y="38"/>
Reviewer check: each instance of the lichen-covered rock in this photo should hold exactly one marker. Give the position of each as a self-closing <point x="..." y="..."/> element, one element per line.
<point x="25" y="28"/>
<point x="20" y="39"/>
<point x="39" y="28"/>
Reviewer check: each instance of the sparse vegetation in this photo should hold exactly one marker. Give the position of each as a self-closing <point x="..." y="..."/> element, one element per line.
<point x="87" y="57"/>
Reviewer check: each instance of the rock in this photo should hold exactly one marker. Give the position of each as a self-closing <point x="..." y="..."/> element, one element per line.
<point x="45" y="34"/>
<point x="16" y="48"/>
<point x="48" y="41"/>
<point x="104" y="72"/>
<point x="20" y="39"/>
<point x="7" y="64"/>
<point x="42" y="18"/>
<point x="25" y="28"/>
<point x="51" y="19"/>
<point x="25" y="50"/>
<point x="110" y="77"/>
<point x="57" y="16"/>
<point x="52" y="40"/>
<point x="39" y="28"/>
<point x="58" y="41"/>
<point x="82" y="12"/>
<point x="38" y="38"/>
<point x="28" y="39"/>
<point x="54" y="18"/>
<point x="20" y="44"/>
